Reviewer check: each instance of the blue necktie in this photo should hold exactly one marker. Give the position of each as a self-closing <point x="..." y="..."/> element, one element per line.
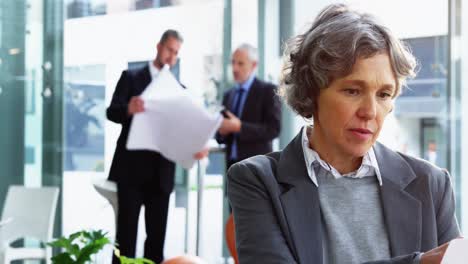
<point x="236" y="111"/>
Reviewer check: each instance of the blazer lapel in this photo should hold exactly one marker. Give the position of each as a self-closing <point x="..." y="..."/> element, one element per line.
<point x="250" y="100"/>
<point x="402" y="211"/>
<point x="143" y="79"/>
<point x="230" y="100"/>
<point x="300" y="204"/>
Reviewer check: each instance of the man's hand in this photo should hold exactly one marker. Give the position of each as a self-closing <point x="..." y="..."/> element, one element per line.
<point x="201" y="154"/>
<point x="136" y="105"/>
<point x="231" y="124"/>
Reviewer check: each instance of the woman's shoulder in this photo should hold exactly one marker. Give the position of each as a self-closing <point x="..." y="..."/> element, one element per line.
<point x="260" y="162"/>
<point x="421" y="165"/>
<point x="427" y="171"/>
<point x="261" y="166"/>
<point x="412" y="171"/>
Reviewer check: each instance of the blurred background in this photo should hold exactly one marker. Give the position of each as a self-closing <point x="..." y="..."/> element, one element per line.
<point x="60" y="61"/>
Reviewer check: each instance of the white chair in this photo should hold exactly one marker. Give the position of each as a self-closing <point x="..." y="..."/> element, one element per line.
<point x="31" y="214"/>
<point x="108" y="189"/>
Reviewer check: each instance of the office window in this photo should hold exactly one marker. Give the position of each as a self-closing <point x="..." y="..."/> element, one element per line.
<point x="84" y="116"/>
<point x="84" y="8"/>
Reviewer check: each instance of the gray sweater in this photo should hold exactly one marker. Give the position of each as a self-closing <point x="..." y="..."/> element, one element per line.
<point x="352" y="219"/>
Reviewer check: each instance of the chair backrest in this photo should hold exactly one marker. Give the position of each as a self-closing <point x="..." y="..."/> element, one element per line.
<point x="231" y="238"/>
<point x="32" y="213"/>
<point x="108" y="189"/>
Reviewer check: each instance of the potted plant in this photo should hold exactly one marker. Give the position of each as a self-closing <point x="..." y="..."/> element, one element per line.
<point x="80" y="246"/>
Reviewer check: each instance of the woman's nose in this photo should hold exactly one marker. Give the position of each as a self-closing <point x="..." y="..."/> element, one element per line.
<point x="367" y="108"/>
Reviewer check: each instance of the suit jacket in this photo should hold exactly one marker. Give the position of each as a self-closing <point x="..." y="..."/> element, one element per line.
<point x="277" y="212"/>
<point x="130" y="166"/>
<point x="261" y="120"/>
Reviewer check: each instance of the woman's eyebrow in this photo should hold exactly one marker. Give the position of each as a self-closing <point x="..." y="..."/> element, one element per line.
<point x="362" y="83"/>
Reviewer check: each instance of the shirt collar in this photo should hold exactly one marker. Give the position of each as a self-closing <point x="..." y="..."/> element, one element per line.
<point x="247" y="84"/>
<point x="153" y="70"/>
<point x="369" y="166"/>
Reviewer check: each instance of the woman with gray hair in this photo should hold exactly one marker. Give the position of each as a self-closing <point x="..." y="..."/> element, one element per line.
<point x="334" y="194"/>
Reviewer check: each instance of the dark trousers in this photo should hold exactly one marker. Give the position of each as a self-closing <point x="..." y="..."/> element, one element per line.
<point x="130" y="198"/>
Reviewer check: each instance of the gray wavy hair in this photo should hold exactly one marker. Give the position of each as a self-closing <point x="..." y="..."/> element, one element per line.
<point x="329" y="49"/>
<point x="252" y="52"/>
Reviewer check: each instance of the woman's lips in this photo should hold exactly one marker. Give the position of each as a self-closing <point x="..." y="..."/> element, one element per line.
<point x="361" y="133"/>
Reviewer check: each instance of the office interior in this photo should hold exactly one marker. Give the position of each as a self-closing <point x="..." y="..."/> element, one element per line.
<point x="60" y="61"/>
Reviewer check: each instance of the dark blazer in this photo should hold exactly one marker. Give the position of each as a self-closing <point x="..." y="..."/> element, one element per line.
<point x="138" y="164"/>
<point x="261" y="120"/>
<point x="277" y="212"/>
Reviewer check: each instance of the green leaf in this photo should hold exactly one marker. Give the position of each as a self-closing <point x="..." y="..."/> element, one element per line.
<point x="61" y="242"/>
<point x="126" y="260"/>
<point x="62" y="258"/>
<point x="79" y="246"/>
<point x="76" y="235"/>
<point x="74" y="250"/>
<point x="87" y="251"/>
<point x="145" y="261"/>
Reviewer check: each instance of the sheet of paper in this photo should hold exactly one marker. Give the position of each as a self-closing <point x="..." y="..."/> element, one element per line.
<point x="172" y="124"/>
<point x="164" y="86"/>
<point x="457" y="252"/>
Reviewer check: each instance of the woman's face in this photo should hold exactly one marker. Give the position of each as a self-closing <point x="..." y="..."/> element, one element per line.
<point x="351" y="111"/>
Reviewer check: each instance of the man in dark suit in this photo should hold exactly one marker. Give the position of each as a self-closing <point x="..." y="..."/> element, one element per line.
<point x="253" y="111"/>
<point x="143" y="177"/>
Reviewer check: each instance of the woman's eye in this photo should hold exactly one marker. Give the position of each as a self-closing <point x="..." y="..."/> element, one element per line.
<point x="385" y="95"/>
<point x="351" y="91"/>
